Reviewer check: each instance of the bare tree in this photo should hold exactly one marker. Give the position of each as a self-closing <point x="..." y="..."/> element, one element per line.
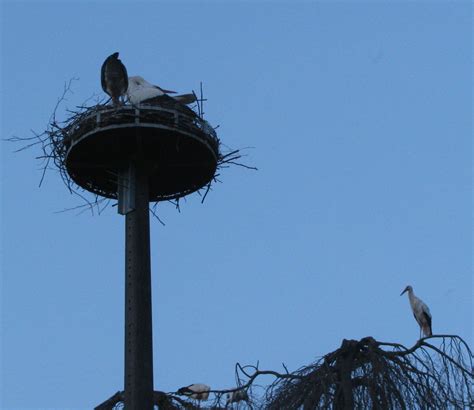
<point x="378" y="375"/>
<point x="437" y="373"/>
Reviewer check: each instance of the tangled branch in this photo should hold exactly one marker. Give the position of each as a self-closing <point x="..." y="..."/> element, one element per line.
<point x="437" y="372"/>
<point x="364" y="374"/>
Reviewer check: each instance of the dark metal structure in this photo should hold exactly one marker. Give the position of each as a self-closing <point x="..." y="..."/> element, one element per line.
<point x="180" y="151"/>
<point x="138" y="312"/>
<point x="137" y="155"/>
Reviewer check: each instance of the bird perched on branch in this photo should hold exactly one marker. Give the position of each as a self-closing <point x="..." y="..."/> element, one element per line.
<point x="197" y="391"/>
<point x="114" y="78"/>
<point x="140" y="90"/>
<point x="420" y="311"/>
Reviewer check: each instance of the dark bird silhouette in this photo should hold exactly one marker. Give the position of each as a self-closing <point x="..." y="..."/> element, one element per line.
<point x="114" y="78"/>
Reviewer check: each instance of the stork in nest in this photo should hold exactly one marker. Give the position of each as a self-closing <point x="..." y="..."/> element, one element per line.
<point x="114" y="78"/>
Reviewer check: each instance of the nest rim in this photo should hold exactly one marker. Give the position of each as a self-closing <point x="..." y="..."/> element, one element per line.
<point x="190" y="143"/>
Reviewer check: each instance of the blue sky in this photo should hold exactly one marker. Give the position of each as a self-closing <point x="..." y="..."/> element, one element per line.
<point x="359" y="118"/>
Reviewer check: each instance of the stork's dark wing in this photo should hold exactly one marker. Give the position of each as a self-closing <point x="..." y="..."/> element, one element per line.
<point x="427" y="317"/>
<point x="185" y="98"/>
<point x="102" y="73"/>
<point x="169" y="102"/>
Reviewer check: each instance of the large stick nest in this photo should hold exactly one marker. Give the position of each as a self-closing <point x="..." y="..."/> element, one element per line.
<point x="59" y="134"/>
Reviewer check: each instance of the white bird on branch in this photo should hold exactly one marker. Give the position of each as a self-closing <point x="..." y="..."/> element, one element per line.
<point x="114" y="78"/>
<point x="140" y="90"/>
<point x="420" y="311"/>
<point x="197" y="391"/>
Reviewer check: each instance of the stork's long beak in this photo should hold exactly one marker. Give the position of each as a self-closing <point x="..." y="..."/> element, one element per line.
<point x="403" y="291"/>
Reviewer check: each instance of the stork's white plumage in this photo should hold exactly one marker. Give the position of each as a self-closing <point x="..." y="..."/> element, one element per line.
<point x="197" y="391"/>
<point x="420" y="311"/>
<point x="140" y="90"/>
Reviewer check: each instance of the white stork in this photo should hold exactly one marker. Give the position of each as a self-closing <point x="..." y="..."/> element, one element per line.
<point x="197" y="391"/>
<point x="114" y="78"/>
<point x="420" y="311"/>
<point x="140" y="90"/>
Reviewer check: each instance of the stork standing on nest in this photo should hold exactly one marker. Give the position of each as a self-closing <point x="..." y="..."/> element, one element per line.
<point x="420" y="311"/>
<point x="140" y="90"/>
<point x="114" y="78"/>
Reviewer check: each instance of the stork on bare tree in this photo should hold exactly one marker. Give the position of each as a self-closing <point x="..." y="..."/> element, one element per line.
<point x="421" y="312"/>
<point x="197" y="391"/>
<point x="114" y="78"/>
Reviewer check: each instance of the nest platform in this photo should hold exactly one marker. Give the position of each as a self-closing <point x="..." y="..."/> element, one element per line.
<point x="179" y="148"/>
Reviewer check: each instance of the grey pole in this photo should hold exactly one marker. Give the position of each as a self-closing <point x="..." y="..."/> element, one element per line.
<point x="138" y="310"/>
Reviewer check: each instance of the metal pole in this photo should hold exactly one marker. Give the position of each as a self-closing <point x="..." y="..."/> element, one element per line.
<point x="138" y="311"/>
